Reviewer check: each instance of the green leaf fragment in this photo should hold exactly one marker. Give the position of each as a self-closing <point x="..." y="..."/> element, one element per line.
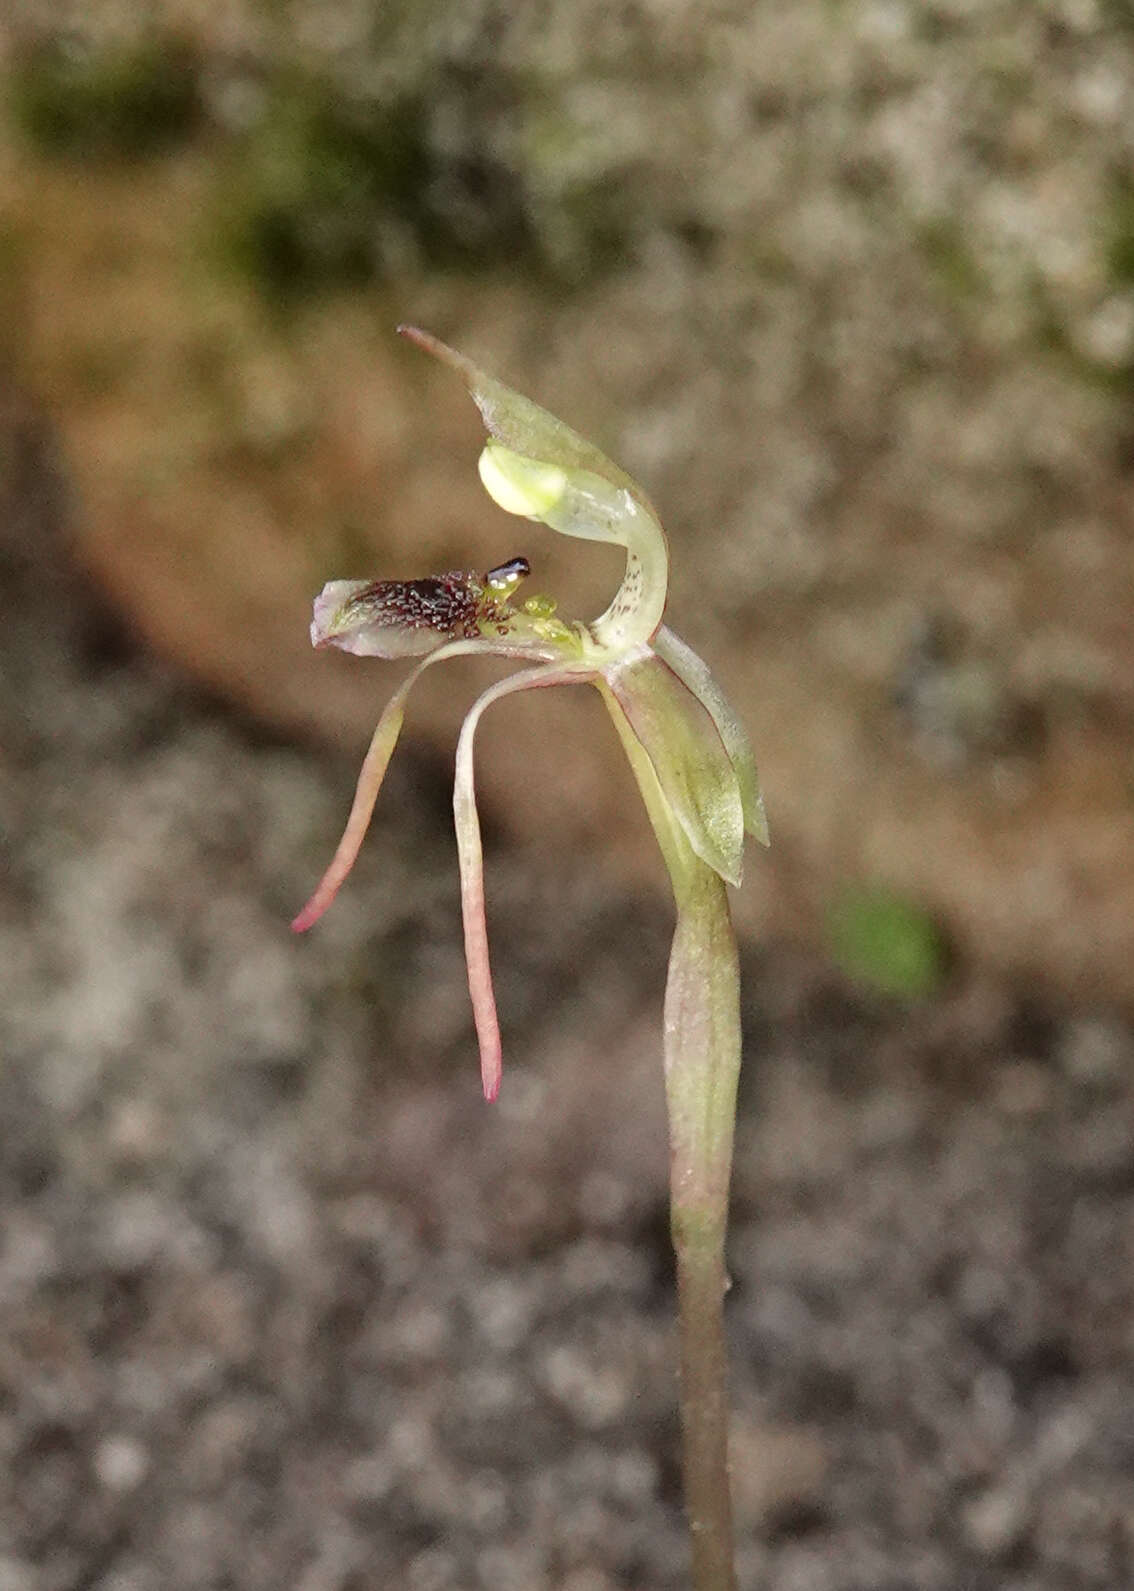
<point x="887" y="942"/>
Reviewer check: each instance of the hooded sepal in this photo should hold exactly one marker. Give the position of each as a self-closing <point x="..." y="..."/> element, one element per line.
<point x="536" y="466"/>
<point x="521" y="425"/>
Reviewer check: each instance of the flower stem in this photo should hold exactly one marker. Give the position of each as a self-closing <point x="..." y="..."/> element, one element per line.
<point x="702" y="1062"/>
<point x="702" y="1067"/>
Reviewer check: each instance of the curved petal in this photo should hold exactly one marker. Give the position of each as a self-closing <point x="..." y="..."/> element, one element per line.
<point x="689" y="757"/>
<point x="373" y="771"/>
<point x="471" y="858"/>
<point x="695" y="676"/>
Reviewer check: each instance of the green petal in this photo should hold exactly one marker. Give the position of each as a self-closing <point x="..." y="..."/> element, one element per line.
<point x="694" y="673"/>
<point x="688" y="755"/>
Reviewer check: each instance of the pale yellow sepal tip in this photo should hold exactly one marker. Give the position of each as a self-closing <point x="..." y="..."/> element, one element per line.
<point x="520" y="485"/>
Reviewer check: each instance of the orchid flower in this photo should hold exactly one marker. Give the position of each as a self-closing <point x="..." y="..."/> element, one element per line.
<point x="697" y="777"/>
<point x="661" y="696"/>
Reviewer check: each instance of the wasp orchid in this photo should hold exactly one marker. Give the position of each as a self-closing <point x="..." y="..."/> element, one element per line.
<point x="697" y="778"/>
<point x="684" y="740"/>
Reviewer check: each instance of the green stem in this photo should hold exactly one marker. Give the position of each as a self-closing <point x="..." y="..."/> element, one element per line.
<point x="702" y="1066"/>
<point x="702" y="1062"/>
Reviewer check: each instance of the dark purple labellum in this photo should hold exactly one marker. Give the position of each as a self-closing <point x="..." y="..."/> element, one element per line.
<point x="456" y="605"/>
<point x="445" y="604"/>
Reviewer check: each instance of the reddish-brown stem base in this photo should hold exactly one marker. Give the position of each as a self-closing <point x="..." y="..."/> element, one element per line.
<point x="704" y="1412"/>
<point x="702" y="1021"/>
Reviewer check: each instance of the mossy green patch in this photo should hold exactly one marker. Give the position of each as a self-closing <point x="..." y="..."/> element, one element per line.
<point x="886" y="942"/>
<point x="951" y="260"/>
<point x="126" y="101"/>
<point x="329" y="190"/>
<point x="1054" y="338"/>
<point x="1120" y="13"/>
<point x="1120" y="231"/>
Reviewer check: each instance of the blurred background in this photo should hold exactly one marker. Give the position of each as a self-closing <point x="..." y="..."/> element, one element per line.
<point x="849" y="286"/>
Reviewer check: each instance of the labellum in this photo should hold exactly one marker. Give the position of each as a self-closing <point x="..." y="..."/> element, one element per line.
<point x="403" y="618"/>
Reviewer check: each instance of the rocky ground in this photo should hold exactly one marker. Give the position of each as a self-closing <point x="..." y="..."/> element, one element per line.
<point x="283" y="1304"/>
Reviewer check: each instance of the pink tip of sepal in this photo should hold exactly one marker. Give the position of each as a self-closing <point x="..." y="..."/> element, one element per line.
<point x="491" y="1071"/>
<point x="366" y="793"/>
<point x="312" y="912"/>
